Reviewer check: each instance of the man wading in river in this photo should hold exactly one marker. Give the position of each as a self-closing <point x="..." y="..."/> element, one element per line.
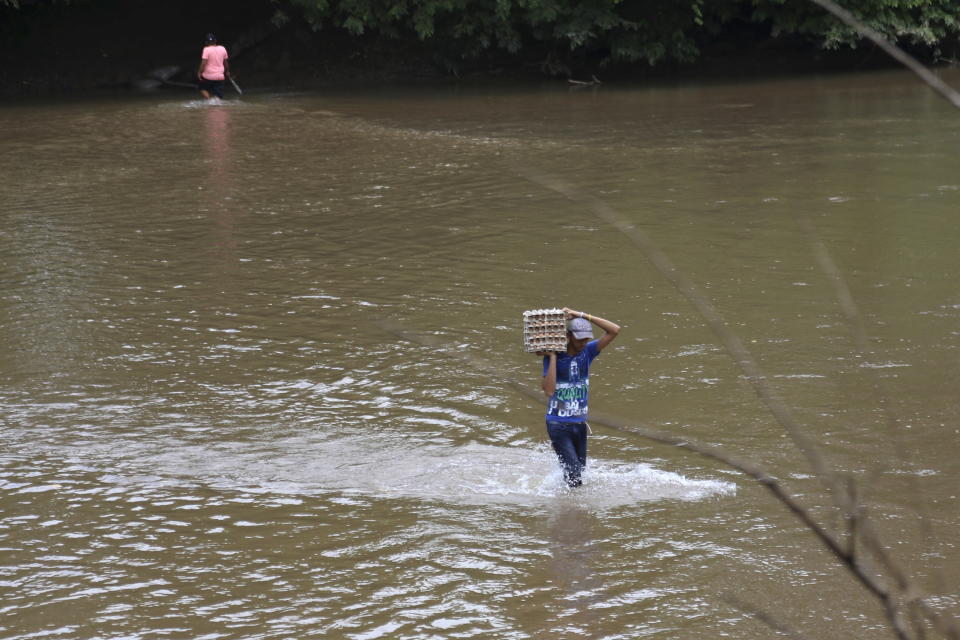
<point x="566" y="382"/>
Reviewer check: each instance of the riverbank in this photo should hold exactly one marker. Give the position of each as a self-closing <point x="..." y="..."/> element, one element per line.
<point x="111" y="46"/>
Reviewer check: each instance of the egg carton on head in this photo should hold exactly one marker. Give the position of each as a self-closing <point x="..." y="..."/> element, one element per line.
<point x="544" y="330"/>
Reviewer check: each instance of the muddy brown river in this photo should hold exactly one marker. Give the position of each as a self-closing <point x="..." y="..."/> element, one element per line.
<point x="212" y="427"/>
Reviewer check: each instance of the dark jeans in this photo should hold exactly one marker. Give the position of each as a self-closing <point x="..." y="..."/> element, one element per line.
<point x="569" y="440"/>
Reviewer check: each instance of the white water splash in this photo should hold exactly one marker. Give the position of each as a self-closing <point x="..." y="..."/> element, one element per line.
<point x="372" y="466"/>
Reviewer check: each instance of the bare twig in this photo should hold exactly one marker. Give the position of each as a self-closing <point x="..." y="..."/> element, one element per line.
<point x="869" y="537"/>
<point x="763" y="616"/>
<point x="893" y="601"/>
<point x="892" y="50"/>
<point x="867" y="578"/>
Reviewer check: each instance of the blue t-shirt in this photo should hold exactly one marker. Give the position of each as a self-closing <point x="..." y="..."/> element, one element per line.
<point x="569" y="401"/>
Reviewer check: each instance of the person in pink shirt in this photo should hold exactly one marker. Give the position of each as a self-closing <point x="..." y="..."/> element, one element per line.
<point x="214" y="68"/>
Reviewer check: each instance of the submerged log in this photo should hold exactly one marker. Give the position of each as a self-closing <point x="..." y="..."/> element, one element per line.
<point x="594" y="81"/>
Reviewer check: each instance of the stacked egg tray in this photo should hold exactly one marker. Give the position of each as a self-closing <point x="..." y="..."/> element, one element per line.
<point x="544" y="330"/>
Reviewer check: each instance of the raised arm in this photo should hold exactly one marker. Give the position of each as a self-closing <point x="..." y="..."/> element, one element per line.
<point x="610" y="329"/>
<point x="549" y="383"/>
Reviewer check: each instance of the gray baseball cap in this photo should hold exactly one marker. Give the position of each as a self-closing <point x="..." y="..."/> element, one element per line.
<point x="581" y="328"/>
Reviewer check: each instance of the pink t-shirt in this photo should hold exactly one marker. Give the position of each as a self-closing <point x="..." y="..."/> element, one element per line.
<point x="214" y="55"/>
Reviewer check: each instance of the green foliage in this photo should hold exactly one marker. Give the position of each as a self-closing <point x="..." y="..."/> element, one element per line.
<point x="923" y="22"/>
<point x="622" y="30"/>
<point x="647" y="31"/>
